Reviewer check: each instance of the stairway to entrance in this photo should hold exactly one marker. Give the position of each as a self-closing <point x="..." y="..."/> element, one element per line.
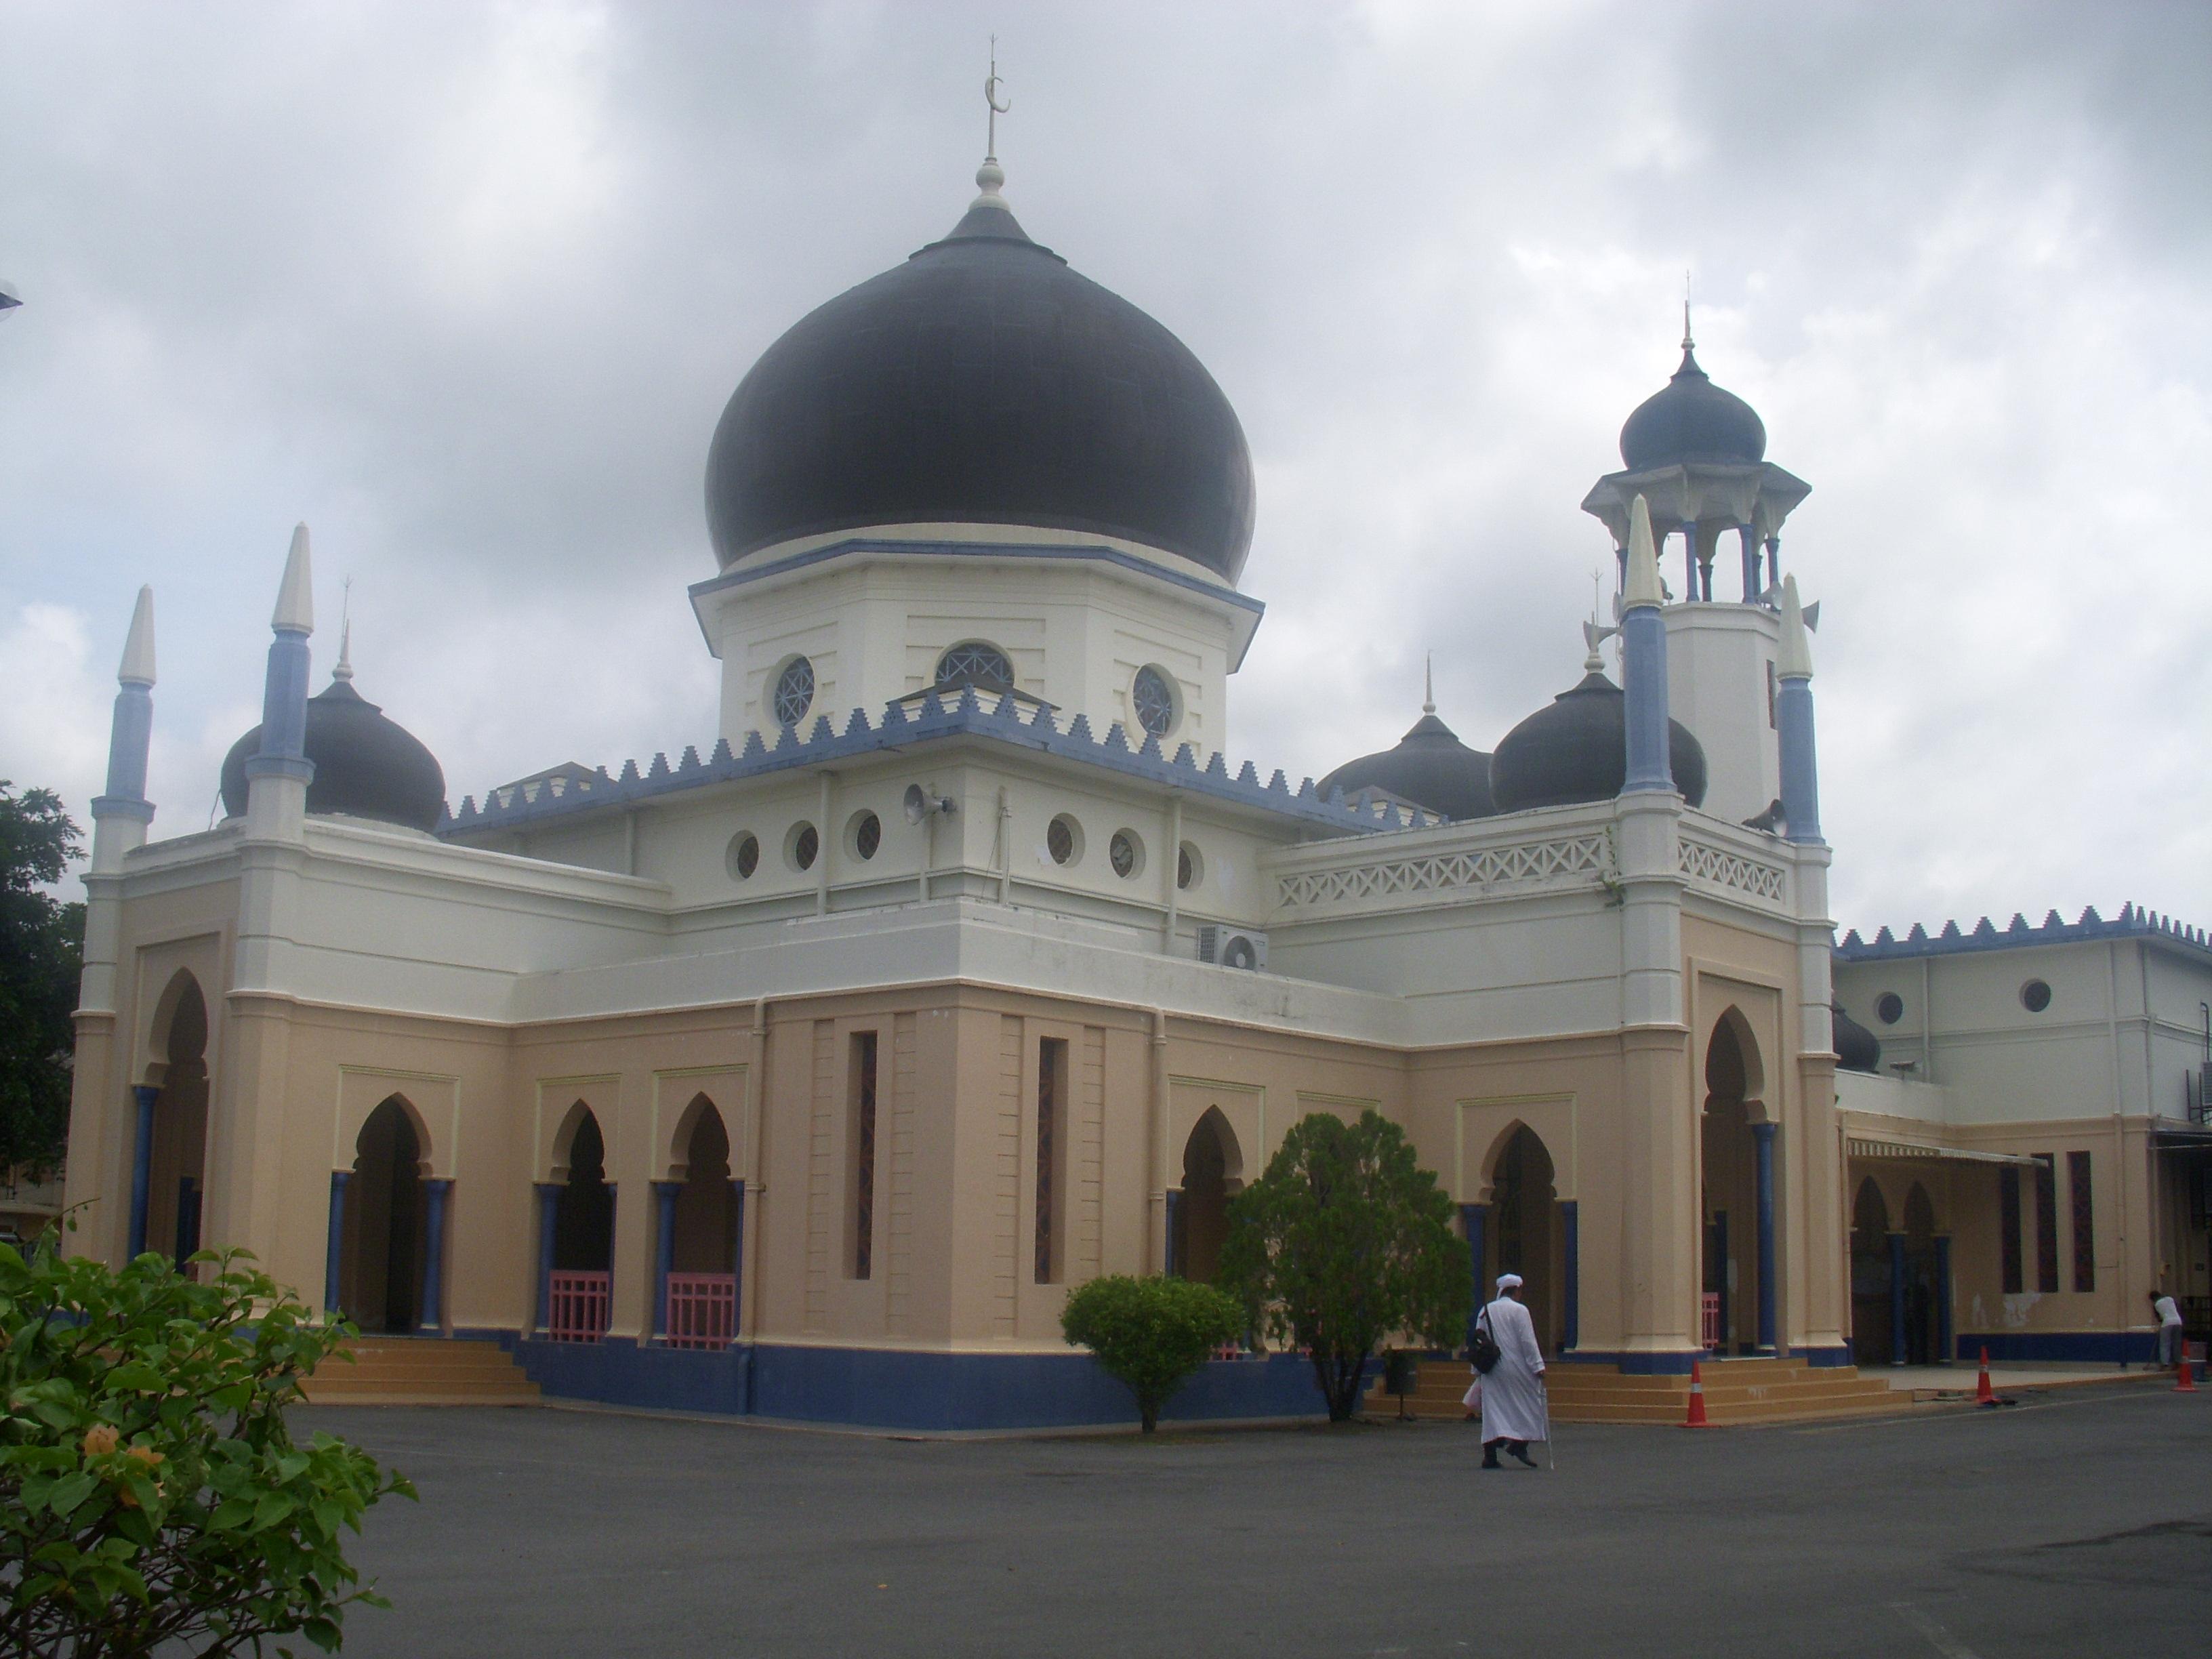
<point x="1736" y="1391"/>
<point x="410" y="1370"/>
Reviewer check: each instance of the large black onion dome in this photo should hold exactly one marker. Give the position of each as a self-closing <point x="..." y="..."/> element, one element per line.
<point x="982" y="381"/>
<point x="1430" y="767"/>
<point x="1857" y="1049"/>
<point x="1691" y="419"/>
<point x="1576" y="749"/>
<point x="365" y="766"/>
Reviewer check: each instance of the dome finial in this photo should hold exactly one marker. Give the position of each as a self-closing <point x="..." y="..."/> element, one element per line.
<point x="991" y="175"/>
<point x="1429" y="685"/>
<point x="344" y="670"/>
<point x="1688" y="344"/>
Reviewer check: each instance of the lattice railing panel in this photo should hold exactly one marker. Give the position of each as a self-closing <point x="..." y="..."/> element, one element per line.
<point x="1703" y="861"/>
<point x="1569" y="857"/>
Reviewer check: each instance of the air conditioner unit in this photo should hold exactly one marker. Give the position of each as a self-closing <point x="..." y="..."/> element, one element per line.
<point x="1232" y="947"/>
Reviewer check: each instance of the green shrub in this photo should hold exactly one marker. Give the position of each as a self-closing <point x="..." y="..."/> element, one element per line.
<point x="1346" y="1241"/>
<point x="1150" y="1333"/>
<point x="150" y="1491"/>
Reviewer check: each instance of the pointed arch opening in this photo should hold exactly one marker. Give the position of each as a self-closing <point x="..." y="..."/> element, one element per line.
<point x="1729" y="1128"/>
<point x="584" y="1216"/>
<point x="381" y="1249"/>
<point x="1213" y="1173"/>
<point x="177" y="1168"/>
<point x="1870" y="1276"/>
<point x="706" y="1202"/>
<point x="1527" y="1236"/>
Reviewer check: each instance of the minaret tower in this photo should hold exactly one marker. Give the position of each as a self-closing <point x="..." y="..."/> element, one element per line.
<point x="1697" y="455"/>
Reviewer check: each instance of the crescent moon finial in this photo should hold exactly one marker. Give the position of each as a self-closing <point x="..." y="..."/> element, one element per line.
<point x="991" y="94"/>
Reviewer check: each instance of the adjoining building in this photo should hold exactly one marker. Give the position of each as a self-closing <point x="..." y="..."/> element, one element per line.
<point x="802" y="1076"/>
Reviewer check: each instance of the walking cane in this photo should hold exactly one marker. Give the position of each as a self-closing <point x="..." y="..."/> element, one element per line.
<point x="1550" y="1430"/>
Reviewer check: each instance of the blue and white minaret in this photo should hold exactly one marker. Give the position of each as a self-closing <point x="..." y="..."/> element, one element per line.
<point x="277" y="777"/>
<point x="1793" y="720"/>
<point x="1643" y="660"/>
<point x="129" y="741"/>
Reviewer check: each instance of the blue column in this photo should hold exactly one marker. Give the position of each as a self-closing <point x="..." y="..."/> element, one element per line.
<point x="432" y="1315"/>
<point x="1942" y="1298"/>
<point x="1897" y="1299"/>
<point x="1472" y="1221"/>
<point x="188" y="1218"/>
<point x="736" y="1258"/>
<point x="663" y="1255"/>
<point x="549" y="1199"/>
<point x="334" y="1248"/>
<point x="141" y="1166"/>
<point x="1721" y="1252"/>
<point x="1571" y="1215"/>
<point x="1762" y="1137"/>
<point x="1169" y="1264"/>
<point x="1690" y="561"/>
<point x="1800" y="787"/>
<point x="1750" y="541"/>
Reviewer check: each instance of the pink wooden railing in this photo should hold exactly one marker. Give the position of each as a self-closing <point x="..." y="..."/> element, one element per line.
<point x="1712" y="1321"/>
<point x="580" y="1305"/>
<point x="702" y="1310"/>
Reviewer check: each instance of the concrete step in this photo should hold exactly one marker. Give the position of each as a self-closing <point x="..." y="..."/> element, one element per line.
<point x="414" y="1372"/>
<point x="1736" y="1391"/>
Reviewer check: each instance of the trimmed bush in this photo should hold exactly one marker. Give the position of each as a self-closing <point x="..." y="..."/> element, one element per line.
<point x="1152" y="1334"/>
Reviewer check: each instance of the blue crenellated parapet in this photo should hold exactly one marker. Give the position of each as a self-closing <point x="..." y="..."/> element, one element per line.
<point x="2132" y="922"/>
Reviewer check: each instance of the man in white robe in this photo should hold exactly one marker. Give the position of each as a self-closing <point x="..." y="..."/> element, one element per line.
<point x="1514" y="1408"/>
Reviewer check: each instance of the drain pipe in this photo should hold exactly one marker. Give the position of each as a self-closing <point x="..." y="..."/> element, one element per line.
<point x="1006" y="847"/>
<point x="1170" y="868"/>
<point x="822" y="852"/>
<point x="1156" y="1134"/>
<point x="755" y="1190"/>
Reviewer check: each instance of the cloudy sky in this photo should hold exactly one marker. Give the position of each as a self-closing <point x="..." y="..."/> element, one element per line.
<point x="466" y="287"/>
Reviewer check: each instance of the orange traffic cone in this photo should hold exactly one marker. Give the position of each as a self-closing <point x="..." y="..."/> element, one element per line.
<point x="2186" y="1383"/>
<point x="1985" y="1394"/>
<point x="1697" y="1419"/>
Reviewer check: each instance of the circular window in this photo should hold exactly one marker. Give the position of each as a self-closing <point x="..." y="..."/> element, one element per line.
<point x="864" y="834"/>
<point x="983" y="666"/>
<point x="1190" y="866"/>
<point x="794" y="691"/>
<point x="1063" y="839"/>
<point x="1125" y="853"/>
<point x="1889" y="1007"/>
<point x="803" y="846"/>
<point x="743" y="857"/>
<point x="1154" y="697"/>
<point x="2035" y="996"/>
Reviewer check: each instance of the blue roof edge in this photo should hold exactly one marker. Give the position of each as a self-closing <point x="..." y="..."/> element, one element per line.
<point x="2134" y="922"/>
<point x="966" y="716"/>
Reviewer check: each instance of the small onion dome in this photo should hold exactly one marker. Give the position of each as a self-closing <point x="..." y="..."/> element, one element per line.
<point x="1430" y="767"/>
<point x="1691" y="419"/>
<point x="982" y="382"/>
<point x="365" y="766"/>
<point x="1576" y="749"/>
<point x="1857" y="1049"/>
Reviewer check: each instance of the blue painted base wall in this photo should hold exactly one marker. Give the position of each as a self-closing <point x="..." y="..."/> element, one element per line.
<point x="2085" y="1347"/>
<point x="884" y="1388"/>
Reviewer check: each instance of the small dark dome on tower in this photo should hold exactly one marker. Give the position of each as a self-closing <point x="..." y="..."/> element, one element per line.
<point x="1857" y="1049"/>
<point x="365" y="766"/>
<point x="1691" y="419"/>
<point x="982" y="381"/>
<point x="1576" y="749"/>
<point x="1430" y="767"/>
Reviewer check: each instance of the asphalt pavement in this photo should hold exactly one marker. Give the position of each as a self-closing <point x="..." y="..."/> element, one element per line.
<point x="2076" y="1523"/>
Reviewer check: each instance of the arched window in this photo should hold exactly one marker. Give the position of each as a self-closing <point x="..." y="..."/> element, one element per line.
<point x="974" y="663"/>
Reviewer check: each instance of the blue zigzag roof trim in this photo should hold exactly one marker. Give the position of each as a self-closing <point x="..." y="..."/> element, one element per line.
<point x="901" y="728"/>
<point x="2133" y="922"/>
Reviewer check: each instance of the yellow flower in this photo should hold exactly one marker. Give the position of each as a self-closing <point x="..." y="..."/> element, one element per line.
<point x="100" y="1439"/>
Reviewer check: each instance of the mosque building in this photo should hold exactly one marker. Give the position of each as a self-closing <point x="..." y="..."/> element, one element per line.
<point x="802" y="1076"/>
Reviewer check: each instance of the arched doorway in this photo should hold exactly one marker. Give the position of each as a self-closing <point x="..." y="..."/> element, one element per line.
<point x="1524" y="1203"/>
<point x="176" y="1181"/>
<point x="1870" y="1276"/>
<point x="381" y="1276"/>
<point x="1729" y="1160"/>
<point x="1922" y="1279"/>
<point x="1213" y="1170"/>
<point x="701" y="1289"/>
<point x="584" y="1217"/>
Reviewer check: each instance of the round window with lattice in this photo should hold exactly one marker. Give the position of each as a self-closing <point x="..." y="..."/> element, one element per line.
<point x="1889" y="1007"/>
<point x="1063" y="841"/>
<point x="1154" y="695"/>
<point x="743" y="855"/>
<point x="1126" y="853"/>
<point x="983" y="666"/>
<point x="864" y="836"/>
<point x="1190" y="866"/>
<point x="804" y="847"/>
<point x="2035" y="996"/>
<point x="794" y="691"/>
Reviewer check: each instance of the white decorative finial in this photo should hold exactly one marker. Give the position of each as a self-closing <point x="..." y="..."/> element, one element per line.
<point x="1643" y="586"/>
<point x="1429" y="699"/>
<point x="1688" y="344"/>
<point x="344" y="670"/>
<point x="1596" y="633"/>
<point x="137" y="667"/>
<point x="295" y="597"/>
<point x="991" y="175"/>
<point x="1793" y="660"/>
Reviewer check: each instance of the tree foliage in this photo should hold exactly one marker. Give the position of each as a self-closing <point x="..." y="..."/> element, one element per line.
<point x="150" y="1491"/>
<point x="41" y="956"/>
<point x="1152" y="1334"/>
<point x="1344" y="1243"/>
